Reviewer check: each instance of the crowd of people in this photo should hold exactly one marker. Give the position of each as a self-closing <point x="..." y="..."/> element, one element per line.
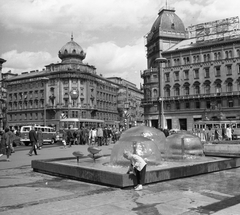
<point x="91" y="136"/>
<point x="216" y="133"/>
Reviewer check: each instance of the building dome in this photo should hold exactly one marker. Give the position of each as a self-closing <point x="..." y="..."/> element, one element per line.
<point x="168" y="23"/>
<point x="71" y="52"/>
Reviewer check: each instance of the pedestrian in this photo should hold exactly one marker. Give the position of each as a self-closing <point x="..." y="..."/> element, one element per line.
<point x="229" y="132"/>
<point x="39" y="139"/>
<point x="137" y="167"/>
<point x="6" y="144"/>
<point x="100" y="135"/>
<point x="69" y="137"/>
<point x="33" y="141"/>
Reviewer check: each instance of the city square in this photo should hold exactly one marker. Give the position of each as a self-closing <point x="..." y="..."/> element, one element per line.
<point x="116" y="107"/>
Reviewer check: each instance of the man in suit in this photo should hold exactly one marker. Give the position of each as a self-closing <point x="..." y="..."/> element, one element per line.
<point x="33" y="141"/>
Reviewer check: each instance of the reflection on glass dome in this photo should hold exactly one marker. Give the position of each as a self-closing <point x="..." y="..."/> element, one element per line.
<point x="183" y="144"/>
<point x="157" y="136"/>
<point x="141" y="140"/>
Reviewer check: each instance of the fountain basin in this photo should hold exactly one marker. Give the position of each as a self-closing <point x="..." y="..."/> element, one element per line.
<point x="101" y="173"/>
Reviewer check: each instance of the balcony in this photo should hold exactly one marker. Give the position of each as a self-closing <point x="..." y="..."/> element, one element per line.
<point x="148" y="72"/>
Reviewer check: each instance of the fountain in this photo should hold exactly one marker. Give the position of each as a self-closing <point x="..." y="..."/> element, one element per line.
<point x="179" y="155"/>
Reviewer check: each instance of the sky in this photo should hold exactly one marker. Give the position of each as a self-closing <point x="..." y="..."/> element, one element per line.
<point x="111" y="32"/>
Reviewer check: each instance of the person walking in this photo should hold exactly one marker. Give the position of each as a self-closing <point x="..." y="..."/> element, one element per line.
<point x="39" y="139"/>
<point x="229" y="132"/>
<point x="69" y="137"/>
<point x="6" y="144"/>
<point x="100" y="136"/>
<point x="33" y="141"/>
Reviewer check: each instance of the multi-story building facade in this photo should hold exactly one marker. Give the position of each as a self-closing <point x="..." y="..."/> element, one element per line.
<point x="199" y="74"/>
<point x="128" y="102"/>
<point x="70" y="88"/>
<point x="3" y="119"/>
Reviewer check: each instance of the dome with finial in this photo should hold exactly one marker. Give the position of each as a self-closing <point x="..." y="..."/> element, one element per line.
<point x="168" y="23"/>
<point x="71" y="52"/>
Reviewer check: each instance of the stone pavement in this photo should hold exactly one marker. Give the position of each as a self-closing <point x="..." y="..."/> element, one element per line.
<point x="23" y="191"/>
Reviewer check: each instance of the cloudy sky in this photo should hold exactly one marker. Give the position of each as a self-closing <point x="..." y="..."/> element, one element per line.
<point x="111" y="32"/>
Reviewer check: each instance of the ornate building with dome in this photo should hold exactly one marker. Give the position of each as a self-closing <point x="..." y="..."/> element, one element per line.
<point x="69" y="89"/>
<point x="192" y="73"/>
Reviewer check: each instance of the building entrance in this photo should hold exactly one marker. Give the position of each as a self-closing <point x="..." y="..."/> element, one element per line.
<point x="183" y="124"/>
<point x="155" y="123"/>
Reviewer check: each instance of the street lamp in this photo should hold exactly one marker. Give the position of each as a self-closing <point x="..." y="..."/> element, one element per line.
<point x="161" y="121"/>
<point x="126" y="107"/>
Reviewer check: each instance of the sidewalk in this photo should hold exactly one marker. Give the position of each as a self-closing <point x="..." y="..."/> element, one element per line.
<point x="26" y="192"/>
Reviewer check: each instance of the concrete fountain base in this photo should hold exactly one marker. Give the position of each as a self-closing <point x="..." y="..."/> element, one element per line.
<point x="101" y="172"/>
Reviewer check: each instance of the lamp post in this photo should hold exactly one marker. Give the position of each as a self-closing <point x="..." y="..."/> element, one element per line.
<point x="126" y="107"/>
<point x="161" y="120"/>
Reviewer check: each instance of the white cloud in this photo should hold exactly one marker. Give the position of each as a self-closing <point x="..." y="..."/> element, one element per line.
<point x="25" y="61"/>
<point x="112" y="60"/>
<point x="84" y="15"/>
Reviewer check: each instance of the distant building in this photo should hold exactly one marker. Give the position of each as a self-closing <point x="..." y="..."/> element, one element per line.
<point x="70" y="88"/>
<point x="194" y="72"/>
<point x="2" y="98"/>
<point x="128" y="102"/>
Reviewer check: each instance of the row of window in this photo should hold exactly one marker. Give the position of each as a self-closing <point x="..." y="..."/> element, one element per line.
<point x="18" y="87"/>
<point x="25" y="116"/>
<point x="205" y="58"/>
<point x="217" y="73"/>
<point x="26" y="95"/>
<point x="197" y="104"/>
<point x="100" y="115"/>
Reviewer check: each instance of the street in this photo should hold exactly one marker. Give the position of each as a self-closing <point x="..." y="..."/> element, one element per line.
<point x="23" y="191"/>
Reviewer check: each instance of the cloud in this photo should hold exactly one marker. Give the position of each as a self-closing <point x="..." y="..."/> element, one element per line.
<point x="84" y="15"/>
<point x="25" y="61"/>
<point x="112" y="60"/>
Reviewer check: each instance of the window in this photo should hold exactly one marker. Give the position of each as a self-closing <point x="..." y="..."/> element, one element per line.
<point x="207" y="74"/>
<point x="217" y="71"/>
<point x="186" y="75"/>
<point x="176" y="76"/>
<point x="229" y="69"/>
<point x="177" y="105"/>
<point x="177" y="91"/>
<point x="196" y="73"/>
<point x="230" y="103"/>
<point x="155" y="93"/>
<point x="167" y="92"/>
<point x="167" y="77"/>
<point x="186" y="90"/>
<point x="187" y="105"/>
<point x="229" y="87"/>
<point x="197" y="89"/>
<point x="218" y="88"/>
<point x="238" y="68"/>
<point x="208" y="104"/>
<point x="207" y="89"/>
<point x="197" y="104"/>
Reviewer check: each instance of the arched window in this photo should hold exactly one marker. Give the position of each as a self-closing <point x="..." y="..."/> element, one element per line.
<point x="155" y="93"/>
<point x="197" y="89"/>
<point x="207" y="89"/>
<point x="218" y="88"/>
<point x="177" y="91"/>
<point x="215" y="56"/>
<point x="229" y="87"/>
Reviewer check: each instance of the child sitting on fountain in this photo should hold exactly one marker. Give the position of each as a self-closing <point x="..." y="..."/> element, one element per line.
<point x="137" y="166"/>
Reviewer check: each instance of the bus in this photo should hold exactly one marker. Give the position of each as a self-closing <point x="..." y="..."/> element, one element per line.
<point x="49" y="134"/>
<point x="202" y="125"/>
<point x="78" y="123"/>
